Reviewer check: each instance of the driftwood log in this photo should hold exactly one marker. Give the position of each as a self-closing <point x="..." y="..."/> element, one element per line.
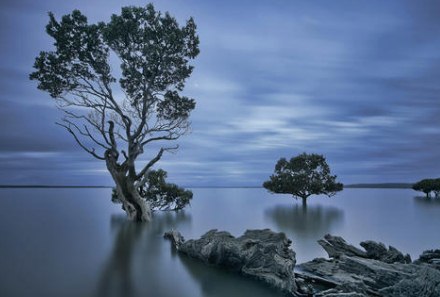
<point x="375" y="270"/>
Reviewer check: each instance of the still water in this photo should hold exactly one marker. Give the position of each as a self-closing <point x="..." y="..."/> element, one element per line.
<point x="75" y="242"/>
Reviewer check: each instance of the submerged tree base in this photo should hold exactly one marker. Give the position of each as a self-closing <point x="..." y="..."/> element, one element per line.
<point x="155" y="194"/>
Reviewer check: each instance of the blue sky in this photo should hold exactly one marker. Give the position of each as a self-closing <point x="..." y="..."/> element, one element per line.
<point x="357" y="81"/>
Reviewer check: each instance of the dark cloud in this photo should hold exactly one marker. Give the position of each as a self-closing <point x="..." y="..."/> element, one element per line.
<point x="354" y="80"/>
<point x="31" y="128"/>
<point x="49" y="168"/>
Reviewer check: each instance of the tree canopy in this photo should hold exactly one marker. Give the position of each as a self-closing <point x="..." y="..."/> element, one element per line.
<point x="302" y="176"/>
<point x="427" y="186"/>
<point x="116" y="116"/>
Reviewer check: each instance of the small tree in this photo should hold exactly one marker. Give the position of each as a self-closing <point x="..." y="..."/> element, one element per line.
<point x="302" y="176"/>
<point x="436" y="187"/>
<point x="427" y="186"/>
<point x="160" y="194"/>
<point x="117" y="122"/>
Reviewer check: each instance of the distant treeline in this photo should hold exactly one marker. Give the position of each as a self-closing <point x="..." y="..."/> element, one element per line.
<point x="382" y="186"/>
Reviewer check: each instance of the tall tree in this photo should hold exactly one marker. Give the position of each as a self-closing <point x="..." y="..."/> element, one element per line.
<point x="302" y="176"/>
<point x="116" y="116"/>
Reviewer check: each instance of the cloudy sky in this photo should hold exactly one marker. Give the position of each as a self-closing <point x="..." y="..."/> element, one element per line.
<point x="357" y="81"/>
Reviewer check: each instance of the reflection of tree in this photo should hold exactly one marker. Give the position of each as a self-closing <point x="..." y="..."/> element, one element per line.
<point x="422" y="201"/>
<point x="167" y="220"/>
<point x="305" y="221"/>
<point x="132" y="268"/>
<point x="117" y="276"/>
<point x="218" y="282"/>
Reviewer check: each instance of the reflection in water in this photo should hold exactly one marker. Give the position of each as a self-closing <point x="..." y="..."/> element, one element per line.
<point x="306" y="225"/>
<point x="427" y="202"/>
<point x="134" y="265"/>
<point x="310" y="221"/>
<point x="64" y="247"/>
<point x="140" y="265"/>
<point x="116" y="278"/>
<point x="218" y="282"/>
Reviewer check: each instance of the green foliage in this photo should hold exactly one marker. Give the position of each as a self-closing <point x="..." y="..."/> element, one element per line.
<point x="160" y="194"/>
<point x="153" y="50"/>
<point x="81" y="54"/>
<point x="427" y="186"/>
<point x="302" y="176"/>
<point x="163" y="195"/>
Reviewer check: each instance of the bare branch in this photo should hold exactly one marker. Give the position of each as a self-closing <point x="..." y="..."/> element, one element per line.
<point x="93" y="124"/>
<point x="168" y="137"/>
<point x="125" y="155"/>
<point x="118" y="110"/>
<point x="142" y="176"/>
<point x="151" y="163"/>
<point x="94" y="139"/>
<point x="90" y="151"/>
<point x="103" y="116"/>
<point x="112" y="136"/>
<point x="147" y="95"/>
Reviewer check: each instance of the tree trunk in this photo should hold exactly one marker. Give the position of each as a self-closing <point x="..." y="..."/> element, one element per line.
<point x="304" y="205"/>
<point x="135" y="206"/>
<point x="304" y="202"/>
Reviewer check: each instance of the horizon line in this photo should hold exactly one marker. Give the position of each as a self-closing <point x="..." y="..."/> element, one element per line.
<point x="352" y="185"/>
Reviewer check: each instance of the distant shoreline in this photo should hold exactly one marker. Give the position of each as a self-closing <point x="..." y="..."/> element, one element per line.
<point x="49" y="187"/>
<point x="380" y="186"/>
<point x="349" y="186"/>
<point x="105" y="187"/>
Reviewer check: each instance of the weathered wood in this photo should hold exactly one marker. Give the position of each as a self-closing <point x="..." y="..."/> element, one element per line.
<point x="351" y="272"/>
<point x="261" y="254"/>
<point x="137" y="208"/>
<point x="175" y="237"/>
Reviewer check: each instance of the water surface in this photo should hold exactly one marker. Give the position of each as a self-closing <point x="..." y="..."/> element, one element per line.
<point x="74" y="242"/>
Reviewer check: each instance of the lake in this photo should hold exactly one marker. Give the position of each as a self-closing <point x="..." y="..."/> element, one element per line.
<point x="75" y="242"/>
